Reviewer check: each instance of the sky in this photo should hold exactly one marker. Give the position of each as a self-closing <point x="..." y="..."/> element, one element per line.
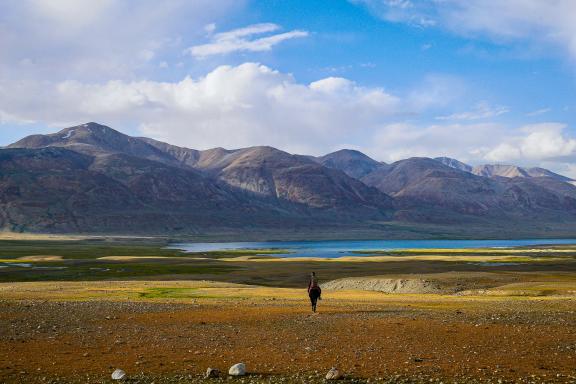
<point x="483" y="81"/>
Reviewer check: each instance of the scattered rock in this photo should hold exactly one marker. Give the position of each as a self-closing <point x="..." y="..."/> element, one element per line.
<point x="118" y="374"/>
<point x="212" y="373"/>
<point x="237" y="370"/>
<point x="333" y="374"/>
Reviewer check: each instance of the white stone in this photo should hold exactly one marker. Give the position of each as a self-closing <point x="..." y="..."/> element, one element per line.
<point x="237" y="370"/>
<point x="118" y="375"/>
<point x="333" y="374"/>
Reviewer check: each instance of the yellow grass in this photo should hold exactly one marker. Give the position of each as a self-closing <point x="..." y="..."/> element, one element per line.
<point x="379" y="259"/>
<point x="479" y="250"/>
<point x="33" y="236"/>
<point x="132" y="258"/>
<point x="211" y="292"/>
<point x="39" y="258"/>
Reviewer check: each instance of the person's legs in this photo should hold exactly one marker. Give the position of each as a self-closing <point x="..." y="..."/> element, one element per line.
<point x="314" y="294"/>
<point x="312" y="301"/>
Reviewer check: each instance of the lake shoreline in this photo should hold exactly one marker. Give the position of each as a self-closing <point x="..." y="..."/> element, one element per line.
<point x="356" y="248"/>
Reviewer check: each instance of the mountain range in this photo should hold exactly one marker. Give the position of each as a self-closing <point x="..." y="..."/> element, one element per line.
<point x="93" y="179"/>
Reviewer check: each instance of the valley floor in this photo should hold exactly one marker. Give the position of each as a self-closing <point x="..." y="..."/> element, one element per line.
<point x="172" y="331"/>
<point x="73" y="310"/>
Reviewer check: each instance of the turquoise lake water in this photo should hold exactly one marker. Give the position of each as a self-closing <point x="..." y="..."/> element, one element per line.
<point x="331" y="248"/>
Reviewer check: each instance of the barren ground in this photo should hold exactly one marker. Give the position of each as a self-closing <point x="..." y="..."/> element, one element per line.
<point x="172" y="331"/>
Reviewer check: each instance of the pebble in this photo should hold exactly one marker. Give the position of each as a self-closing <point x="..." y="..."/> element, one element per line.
<point x="333" y="374"/>
<point x="237" y="370"/>
<point x="119" y="374"/>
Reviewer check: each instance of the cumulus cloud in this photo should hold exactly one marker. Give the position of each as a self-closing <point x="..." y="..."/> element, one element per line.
<point x="539" y="21"/>
<point x="231" y="106"/>
<point x="464" y="141"/>
<point x="70" y="13"/>
<point x="545" y="141"/>
<point x="252" y="104"/>
<point x="98" y="39"/>
<point x="546" y="145"/>
<point x="242" y="39"/>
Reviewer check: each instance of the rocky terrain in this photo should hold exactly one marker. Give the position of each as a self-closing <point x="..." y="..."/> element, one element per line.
<point x="75" y="311"/>
<point x="94" y="179"/>
<point x="386" y="285"/>
<point x="369" y="337"/>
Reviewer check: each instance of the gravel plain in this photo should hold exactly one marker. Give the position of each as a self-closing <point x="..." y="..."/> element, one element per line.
<point x="379" y="338"/>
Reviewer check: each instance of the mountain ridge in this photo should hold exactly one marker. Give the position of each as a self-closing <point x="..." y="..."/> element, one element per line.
<point x="502" y="170"/>
<point x="162" y="188"/>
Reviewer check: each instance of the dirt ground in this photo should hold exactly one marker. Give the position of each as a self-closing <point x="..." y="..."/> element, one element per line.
<point x="173" y="331"/>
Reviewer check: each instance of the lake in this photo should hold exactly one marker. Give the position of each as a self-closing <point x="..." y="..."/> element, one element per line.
<point x="335" y="248"/>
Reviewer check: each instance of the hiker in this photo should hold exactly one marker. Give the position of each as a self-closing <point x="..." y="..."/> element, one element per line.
<point x="314" y="291"/>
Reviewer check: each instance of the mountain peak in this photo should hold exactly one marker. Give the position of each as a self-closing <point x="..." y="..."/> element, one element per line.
<point x="347" y="152"/>
<point x="501" y="170"/>
<point x="95" y="139"/>
<point x="85" y="129"/>
<point x="453" y="163"/>
<point x="352" y="162"/>
<point x="88" y="134"/>
<point x="167" y="185"/>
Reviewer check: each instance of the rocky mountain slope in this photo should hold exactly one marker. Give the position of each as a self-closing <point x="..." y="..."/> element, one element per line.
<point x="353" y="163"/>
<point x="502" y="170"/>
<point x="92" y="178"/>
<point x="453" y="163"/>
<point x="269" y="173"/>
<point x="428" y="190"/>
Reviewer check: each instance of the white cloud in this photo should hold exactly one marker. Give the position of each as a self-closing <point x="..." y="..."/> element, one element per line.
<point x="545" y="141"/>
<point x="210" y="28"/>
<point x="546" y="145"/>
<point x="503" y="153"/>
<point x="538" y="112"/>
<point x="482" y="110"/>
<point x="71" y="13"/>
<point x="437" y="90"/>
<point x="242" y="40"/>
<point x="99" y="39"/>
<point x="568" y="169"/>
<point x="539" y="21"/>
<point x="238" y="106"/>
<point x="465" y="142"/>
<point x="252" y="104"/>
<point x="254" y="29"/>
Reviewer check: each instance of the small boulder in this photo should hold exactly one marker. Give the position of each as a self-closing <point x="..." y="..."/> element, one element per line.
<point x="212" y="373"/>
<point x="333" y="374"/>
<point x="237" y="370"/>
<point x="118" y="375"/>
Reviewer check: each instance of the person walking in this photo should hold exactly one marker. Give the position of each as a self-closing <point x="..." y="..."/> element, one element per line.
<point x="314" y="291"/>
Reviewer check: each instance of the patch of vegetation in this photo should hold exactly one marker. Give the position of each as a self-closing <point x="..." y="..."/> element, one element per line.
<point x="179" y="293"/>
<point x="90" y="271"/>
<point x="85" y="249"/>
<point x="169" y="293"/>
<point x="470" y="252"/>
<point x="240" y="252"/>
<point x="94" y="248"/>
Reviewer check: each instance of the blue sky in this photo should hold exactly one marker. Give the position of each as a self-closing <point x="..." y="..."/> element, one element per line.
<point x="480" y="80"/>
